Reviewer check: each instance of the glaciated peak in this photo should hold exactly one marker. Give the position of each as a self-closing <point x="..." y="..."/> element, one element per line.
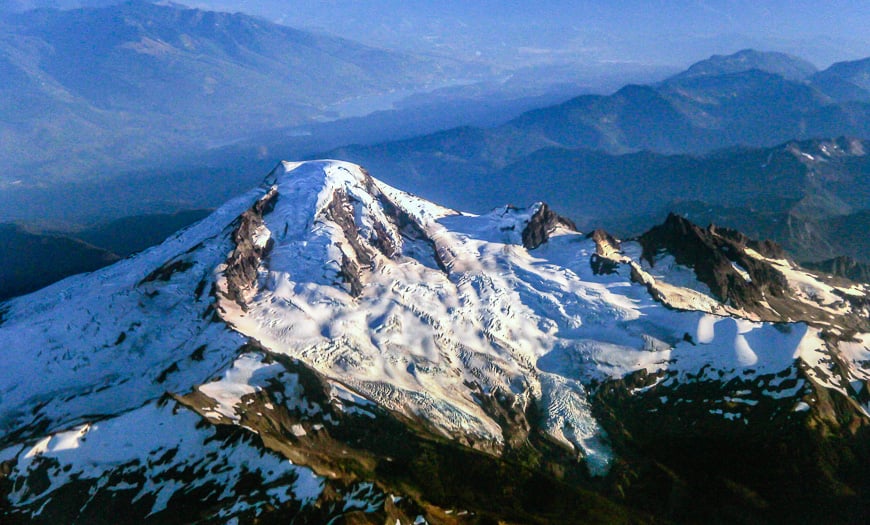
<point x="318" y="189"/>
<point x="324" y="172"/>
<point x="326" y="302"/>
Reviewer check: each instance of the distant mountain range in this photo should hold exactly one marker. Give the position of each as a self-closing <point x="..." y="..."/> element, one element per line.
<point x="647" y="149"/>
<point x="809" y="196"/>
<point x="584" y="156"/>
<point x="721" y="102"/>
<point x="782" y="64"/>
<point x="846" y="80"/>
<point x="87" y="91"/>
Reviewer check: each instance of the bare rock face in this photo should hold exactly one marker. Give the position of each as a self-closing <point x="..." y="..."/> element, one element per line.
<point x="604" y="242"/>
<point x="341" y="212"/>
<point x="713" y="253"/>
<point x="765" y="247"/>
<point x="750" y="278"/>
<point x="244" y="261"/>
<point x="842" y="266"/>
<point x="542" y="224"/>
<point x="605" y="259"/>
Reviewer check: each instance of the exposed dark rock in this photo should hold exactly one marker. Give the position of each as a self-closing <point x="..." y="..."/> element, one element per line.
<point x="712" y="253"/>
<point x="350" y="273"/>
<point x="860" y="304"/>
<point x="165" y="272"/>
<point x="341" y="212"/>
<point x="752" y="476"/>
<point x="842" y="266"/>
<point x="755" y="285"/>
<point x="244" y="261"/>
<point x="199" y="353"/>
<point x="606" y="246"/>
<point x="403" y="223"/>
<point x="200" y="287"/>
<point x="384" y="243"/>
<point x="165" y="373"/>
<point x="765" y="247"/>
<point x="541" y="225"/>
<point x="406" y="226"/>
<point x="601" y="265"/>
<point x="602" y="240"/>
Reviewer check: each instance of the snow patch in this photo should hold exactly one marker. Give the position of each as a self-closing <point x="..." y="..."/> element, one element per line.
<point x="237" y="382"/>
<point x="801" y="407"/>
<point x="154" y="445"/>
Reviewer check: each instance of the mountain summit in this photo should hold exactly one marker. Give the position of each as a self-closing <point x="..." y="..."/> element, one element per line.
<point x="787" y="66"/>
<point x="420" y="364"/>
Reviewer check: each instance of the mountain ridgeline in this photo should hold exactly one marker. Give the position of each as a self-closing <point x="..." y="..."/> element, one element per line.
<point x="808" y="195"/>
<point x="30" y="261"/>
<point x="748" y="99"/>
<point x="127" y="82"/>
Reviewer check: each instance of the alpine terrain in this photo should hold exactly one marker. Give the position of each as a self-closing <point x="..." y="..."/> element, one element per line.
<point x="329" y="349"/>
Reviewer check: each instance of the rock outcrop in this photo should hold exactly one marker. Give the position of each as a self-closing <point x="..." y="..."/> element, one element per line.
<point x="542" y="223"/>
<point x="719" y="259"/>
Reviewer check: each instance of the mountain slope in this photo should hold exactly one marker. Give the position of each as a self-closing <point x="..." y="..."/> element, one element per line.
<point x="133" y="234"/>
<point x="846" y="80"/>
<point x="29" y="261"/>
<point x="169" y="79"/>
<point x="695" y="113"/>
<point x="504" y="364"/>
<point x="786" y="66"/>
<point x="748" y="98"/>
<point x="843" y="267"/>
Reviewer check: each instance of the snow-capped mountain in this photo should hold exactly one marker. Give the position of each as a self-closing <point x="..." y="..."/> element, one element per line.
<point x="329" y="346"/>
